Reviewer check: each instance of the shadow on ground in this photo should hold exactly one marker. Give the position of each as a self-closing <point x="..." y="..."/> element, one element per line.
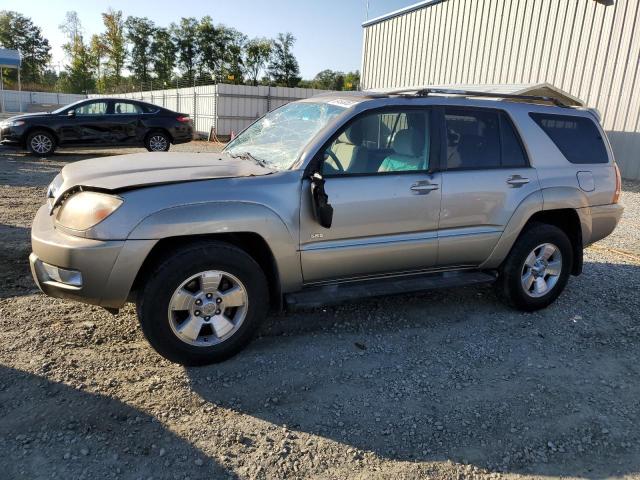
<point x="49" y="430"/>
<point x="427" y="378"/>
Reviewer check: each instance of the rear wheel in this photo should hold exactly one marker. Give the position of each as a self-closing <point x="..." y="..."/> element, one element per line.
<point x="203" y="304"/>
<point x="537" y="268"/>
<point x="157" y="142"/>
<point x="41" y="143"/>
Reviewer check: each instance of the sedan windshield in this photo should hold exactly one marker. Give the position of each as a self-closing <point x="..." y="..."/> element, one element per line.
<point x="278" y="138"/>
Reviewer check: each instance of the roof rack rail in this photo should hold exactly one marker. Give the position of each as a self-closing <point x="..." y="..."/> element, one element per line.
<point x="425" y="92"/>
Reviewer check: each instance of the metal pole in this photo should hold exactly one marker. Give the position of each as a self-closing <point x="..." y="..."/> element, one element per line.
<point x="19" y="89"/>
<point x="2" y="88"/>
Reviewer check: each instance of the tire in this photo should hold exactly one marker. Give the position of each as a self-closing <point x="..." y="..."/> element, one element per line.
<point x="157" y="141"/>
<point x="41" y="143"/>
<point x="185" y="332"/>
<point x="520" y="269"/>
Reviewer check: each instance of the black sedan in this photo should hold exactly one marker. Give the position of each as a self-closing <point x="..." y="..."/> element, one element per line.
<point x="98" y="122"/>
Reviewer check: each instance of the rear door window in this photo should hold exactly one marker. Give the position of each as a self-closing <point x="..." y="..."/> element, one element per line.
<point x="577" y="138"/>
<point x="126" y="108"/>
<point x="481" y="139"/>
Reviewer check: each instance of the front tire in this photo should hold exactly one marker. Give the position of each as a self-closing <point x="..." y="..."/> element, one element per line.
<point x="537" y="269"/>
<point x="41" y="143"/>
<point x="203" y="304"/>
<point x="157" y="142"/>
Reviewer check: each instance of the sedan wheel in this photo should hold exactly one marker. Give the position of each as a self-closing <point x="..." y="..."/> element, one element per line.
<point x="208" y="308"/>
<point x="158" y="143"/>
<point x="41" y="143"/>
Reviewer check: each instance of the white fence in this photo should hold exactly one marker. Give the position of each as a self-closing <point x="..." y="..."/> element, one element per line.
<point x="15" y="101"/>
<point x="227" y="108"/>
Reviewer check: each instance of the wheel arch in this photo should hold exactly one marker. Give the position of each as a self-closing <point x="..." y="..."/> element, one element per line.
<point x="251" y="243"/>
<point x="37" y="128"/>
<point x="152" y="130"/>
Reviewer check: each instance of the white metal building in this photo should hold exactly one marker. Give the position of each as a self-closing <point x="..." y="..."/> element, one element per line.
<point x="589" y="49"/>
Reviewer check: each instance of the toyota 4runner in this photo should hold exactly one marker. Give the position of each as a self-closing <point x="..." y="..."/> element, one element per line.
<point x="329" y="199"/>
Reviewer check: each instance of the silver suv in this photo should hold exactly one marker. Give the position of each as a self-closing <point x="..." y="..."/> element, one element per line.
<point x="326" y="200"/>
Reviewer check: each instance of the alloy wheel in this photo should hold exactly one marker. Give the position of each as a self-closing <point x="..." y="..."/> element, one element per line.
<point x="41" y="144"/>
<point x="158" y="143"/>
<point x="208" y="308"/>
<point x="541" y="270"/>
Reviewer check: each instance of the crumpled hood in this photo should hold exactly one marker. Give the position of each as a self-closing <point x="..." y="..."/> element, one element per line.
<point x="145" y="169"/>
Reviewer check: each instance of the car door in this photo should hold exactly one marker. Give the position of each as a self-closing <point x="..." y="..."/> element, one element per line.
<point x="92" y="122"/>
<point x="126" y="122"/>
<point x="486" y="175"/>
<point x="386" y="202"/>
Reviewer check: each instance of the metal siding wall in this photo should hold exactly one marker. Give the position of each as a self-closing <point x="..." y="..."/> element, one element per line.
<point x="583" y="47"/>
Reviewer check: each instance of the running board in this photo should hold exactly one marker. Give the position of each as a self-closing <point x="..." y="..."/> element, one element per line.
<point x="317" y="296"/>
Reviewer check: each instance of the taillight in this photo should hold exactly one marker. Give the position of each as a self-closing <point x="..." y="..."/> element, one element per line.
<point x="616" y="196"/>
<point x="183" y="119"/>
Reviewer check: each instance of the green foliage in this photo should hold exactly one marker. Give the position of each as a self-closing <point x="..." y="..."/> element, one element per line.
<point x="163" y="56"/>
<point x="283" y="66"/>
<point x="18" y="32"/>
<point x="257" y="53"/>
<point x="139" y="33"/>
<point x="185" y="36"/>
<point x="189" y="51"/>
<point x="114" y="43"/>
<point x="334" y="80"/>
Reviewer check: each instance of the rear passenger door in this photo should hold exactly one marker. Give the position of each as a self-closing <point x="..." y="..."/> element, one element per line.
<point x="486" y="175"/>
<point x="126" y="122"/>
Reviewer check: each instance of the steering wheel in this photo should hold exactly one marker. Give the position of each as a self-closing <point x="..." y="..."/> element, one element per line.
<point x="335" y="160"/>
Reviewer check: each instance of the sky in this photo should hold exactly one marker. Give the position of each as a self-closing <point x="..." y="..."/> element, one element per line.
<point x="328" y="32"/>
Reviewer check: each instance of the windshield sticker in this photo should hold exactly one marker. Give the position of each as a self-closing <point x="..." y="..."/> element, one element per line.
<point x="342" y="102"/>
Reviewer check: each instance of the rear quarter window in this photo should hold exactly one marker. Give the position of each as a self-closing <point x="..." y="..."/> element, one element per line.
<point x="578" y="138"/>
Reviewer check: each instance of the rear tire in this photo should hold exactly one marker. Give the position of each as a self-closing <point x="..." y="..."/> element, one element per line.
<point x="157" y="142"/>
<point x="41" y="143"/>
<point x="537" y="269"/>
<point x="190" y="319"/>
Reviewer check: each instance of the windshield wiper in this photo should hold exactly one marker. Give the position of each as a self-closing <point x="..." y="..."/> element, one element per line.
<point x="248" y="156"/>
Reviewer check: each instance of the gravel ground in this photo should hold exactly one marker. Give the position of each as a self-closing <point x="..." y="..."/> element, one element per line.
<point x="444" y="384"/>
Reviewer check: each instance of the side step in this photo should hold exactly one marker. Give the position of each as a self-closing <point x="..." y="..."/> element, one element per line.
<point x="317" y="296"/>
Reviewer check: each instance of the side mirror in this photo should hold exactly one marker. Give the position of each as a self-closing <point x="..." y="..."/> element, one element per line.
<point x="322" y="209"/>
<point x="71" y="113"/>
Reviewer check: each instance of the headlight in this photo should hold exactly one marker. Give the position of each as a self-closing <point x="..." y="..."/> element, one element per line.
<point x="16" y="123"/>
<point x="86" y="209"/>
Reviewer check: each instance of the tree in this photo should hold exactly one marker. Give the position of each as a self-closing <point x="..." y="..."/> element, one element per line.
<point x="283" y="66"/>
<point x="78" y="74"/>
<point x="352" y="80"/>
<point x="329" y="80"/>
<point x="18" y="32"/>
<point x="163" y="55"/>
<point x="98" y="52"/>
<point x="257" y="53"/>
<point x="233" y="53"/>
<point x="139" y="32"/>
<point x="114" y="43"/>
<point x="185" y="35"/>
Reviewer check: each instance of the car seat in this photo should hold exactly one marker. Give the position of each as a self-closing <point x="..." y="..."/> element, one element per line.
<point x="409" y="152"/>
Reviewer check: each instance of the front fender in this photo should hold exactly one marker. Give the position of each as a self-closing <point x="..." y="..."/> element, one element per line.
<point x="210" y="218"/>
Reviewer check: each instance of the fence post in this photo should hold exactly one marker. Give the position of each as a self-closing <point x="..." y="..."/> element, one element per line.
<point x="195" y="106"/>
<point x="177" y="96"/>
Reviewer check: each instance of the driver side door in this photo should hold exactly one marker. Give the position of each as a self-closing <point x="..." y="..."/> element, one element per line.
<point x="385" y="199"/>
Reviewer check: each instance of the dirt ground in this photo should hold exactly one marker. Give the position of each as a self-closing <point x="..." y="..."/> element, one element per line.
<point x="444" y="384"/>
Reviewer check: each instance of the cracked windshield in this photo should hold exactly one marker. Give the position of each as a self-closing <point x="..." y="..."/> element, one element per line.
<point x="279" y="137"/>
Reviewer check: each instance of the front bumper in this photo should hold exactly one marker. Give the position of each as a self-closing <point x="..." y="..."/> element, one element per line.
<point x="11" y="135"/>
<point x="107" y="268"/>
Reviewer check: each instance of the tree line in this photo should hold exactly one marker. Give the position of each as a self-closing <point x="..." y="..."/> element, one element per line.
<point x="133" y="52"/>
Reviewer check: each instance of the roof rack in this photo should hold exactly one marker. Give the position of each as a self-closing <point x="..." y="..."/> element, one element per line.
<point x="425" y="92"/>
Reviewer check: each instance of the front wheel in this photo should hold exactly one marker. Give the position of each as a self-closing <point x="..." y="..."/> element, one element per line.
<point x="41" y="143"/>
<point x="157" y="142"/>
<point x="537" y="268"/>
<point x="203" y="304"/>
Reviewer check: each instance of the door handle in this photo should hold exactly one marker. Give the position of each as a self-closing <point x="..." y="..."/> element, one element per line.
<point x="517" y="181"/>
<point x="422" y="188"/>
